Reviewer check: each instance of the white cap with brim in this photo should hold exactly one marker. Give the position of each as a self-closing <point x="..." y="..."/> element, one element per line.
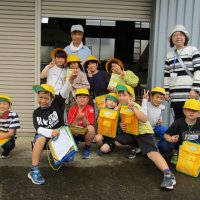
<point x="77" y="27"/>
<point x="179" y="28"/>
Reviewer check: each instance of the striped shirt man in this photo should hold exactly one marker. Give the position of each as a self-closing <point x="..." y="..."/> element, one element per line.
<point x="177" y="82"/>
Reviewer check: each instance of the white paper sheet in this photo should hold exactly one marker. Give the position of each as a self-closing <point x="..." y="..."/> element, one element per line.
<point x="62" y="144"/>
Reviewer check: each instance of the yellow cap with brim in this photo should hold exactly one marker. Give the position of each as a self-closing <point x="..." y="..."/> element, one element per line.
<point x="53" y="53"/>
<point x="90" y="58"/>
<point x="113" y="60"/>
<point x="159" y="89"/>
<point x="73" y="58"/>
<point x="113" y="96"/>
<point x="82" y="91"/>
<point x="5" y="98"/>
<point x="192" y="104"/>
<point x="126" y="88"/>
<point x="44" y="87"/>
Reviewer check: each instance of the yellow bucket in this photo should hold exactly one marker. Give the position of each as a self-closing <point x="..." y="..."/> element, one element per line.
<point x="189" y="158"/>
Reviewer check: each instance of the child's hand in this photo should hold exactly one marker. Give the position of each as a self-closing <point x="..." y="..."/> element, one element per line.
<point x="118" y="107"/>
<point x="123" y="126"/>
<point x="131" y="104"/>
<point x="80" y="116"/>
<point x="146" y="94"/>
<point x="89" y="73"/>
<point x="55" y="132"/>
<point x="174" y="138"/>
<point x="159" y="122"/>
<point x="122" y="74"/>
<point x="74" y="74"/>
<point x="52" y="63"/>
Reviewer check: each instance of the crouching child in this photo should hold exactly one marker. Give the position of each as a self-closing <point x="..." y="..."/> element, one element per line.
<point x="131" y="115"/>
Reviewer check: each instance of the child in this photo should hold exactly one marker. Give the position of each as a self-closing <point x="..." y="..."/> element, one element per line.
<point x="74" y="63"/>
<point x="47" y="120"/>
<point x="187" y="128"/>
<point x="126" y="77"/>
<point x="9" y="123"/>
<point x="82" y="115"/>
<point x="144" y="135"/>
<point x="107" y="144"/>
<point x="98" y="79"/>
<point x="154" y="108"/>
<point x="55" y="72"/>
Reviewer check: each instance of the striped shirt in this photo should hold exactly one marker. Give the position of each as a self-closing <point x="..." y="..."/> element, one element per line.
<point x="178" y="88"/>
<point x="10" y="122"/>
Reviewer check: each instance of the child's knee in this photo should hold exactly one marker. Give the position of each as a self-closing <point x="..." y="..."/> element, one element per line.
<point x="98" y="138"/>
<point x="105" y="148"/>
<point x="90" y="130"/>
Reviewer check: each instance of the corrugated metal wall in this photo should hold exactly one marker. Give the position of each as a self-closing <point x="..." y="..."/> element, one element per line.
<point x="166" y="14"/>
<point x="17" y="56"/>
<point x="134" y="10"/>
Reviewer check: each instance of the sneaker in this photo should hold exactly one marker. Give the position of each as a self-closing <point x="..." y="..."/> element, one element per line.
<point x="35" y="176"/>
<point x="100" y="153"/>
<point x="5" y="155"/>
<point x="86" y="153"/>
<point x="132" y="153"/>
<point x="168" y="181"/>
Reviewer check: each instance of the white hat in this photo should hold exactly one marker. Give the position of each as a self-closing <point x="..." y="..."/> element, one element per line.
<point x="179" y="28"/>
<point x="77" y="27"/>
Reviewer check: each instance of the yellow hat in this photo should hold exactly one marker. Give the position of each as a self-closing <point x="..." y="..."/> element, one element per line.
<point x="82" y="91"/>
<point x="44" y="87"/>
<point x="5" y="98"/>
<point x="89" y="58"/>
<point x="73" y="58"/>
<point x="126" y="88"/>
<point x="113" y="96"/>
<point x="53" y="53"/>
<point x="115" y="60"/>
<point x="192" y="104"/>
<point x="159" y="89"/>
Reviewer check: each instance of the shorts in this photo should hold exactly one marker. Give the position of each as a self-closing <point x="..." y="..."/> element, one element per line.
<point x="110" y="142"/>
<point x="38" y="135"/>
<point x="146" y="141"/>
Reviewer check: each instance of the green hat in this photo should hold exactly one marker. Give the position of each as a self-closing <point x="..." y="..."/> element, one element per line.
<point x="44" y="87"/>
<point x="113" y="96"/>
<point x="5" y="98"/>
<point x="126" y="88"/>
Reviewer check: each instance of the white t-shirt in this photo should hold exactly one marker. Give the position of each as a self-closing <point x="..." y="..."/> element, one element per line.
<point x="56" y="77"/>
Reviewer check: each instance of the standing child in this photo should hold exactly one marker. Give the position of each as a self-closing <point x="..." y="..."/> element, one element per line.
<point x="9" y="123"/>
<point x="106" y="143"/>
<point x="82" y="115"/>
<point x="98" y="79"/>
<point x="134" y="114"/>
<point x="47" y="120"/>
<point x="187" y="128"/>
<point x="153" y="109"/>
<point x="55" y="72"/>
<point x="126" y="77"/>
<point x="74" y="64"/>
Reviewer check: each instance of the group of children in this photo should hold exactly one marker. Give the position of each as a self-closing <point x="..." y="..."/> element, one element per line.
<point x="133" y="125"/>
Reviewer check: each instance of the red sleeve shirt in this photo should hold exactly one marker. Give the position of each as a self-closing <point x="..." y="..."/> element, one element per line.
<point x="88" y="111"/>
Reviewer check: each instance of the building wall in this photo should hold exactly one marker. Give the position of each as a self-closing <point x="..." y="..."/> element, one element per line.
<point x="17" y="57"/>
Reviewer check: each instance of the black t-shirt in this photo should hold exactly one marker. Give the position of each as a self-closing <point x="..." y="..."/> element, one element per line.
<point x="52" y="117"/>
<point x="185" y="132"/>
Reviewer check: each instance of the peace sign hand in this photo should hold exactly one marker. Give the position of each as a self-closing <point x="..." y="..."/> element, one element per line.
<point x="146" y="94"/>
